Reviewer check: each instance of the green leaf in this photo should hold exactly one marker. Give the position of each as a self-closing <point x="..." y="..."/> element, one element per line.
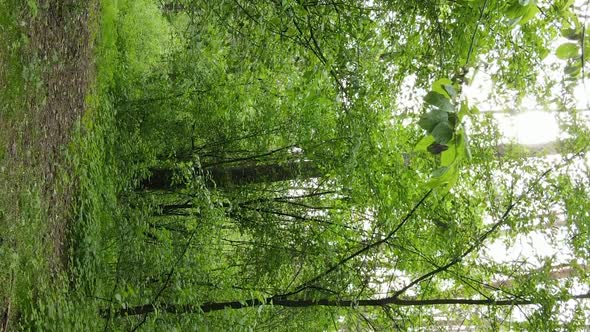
<point x="521" y="12"/>
<point x="440" y="172"/>
<point x="463" y="110"/>
<point x="424" y="143"/>
<point x="444" y="178"/>
<point x="516" y="11"/>
<point x="571" y="34"/>
<point x="461" y="141"/>
<point x="438" y="86"/>
<point x="443" y="132"/>
<point x="530" y="13"/>
<point x="450" y="90"/>
<point x="451" y="178"/>
<point x="567" y="51"/>
<point x="438" y="177"/>
<point x="438" y="100"/>
<point x="431" y="119"/>
<point x="573" y="69"/>
<point x="34" y="10"/>
<point x="449" y="156"/>
<point x="453" y="119"/>
<point x="275" y="21"/>
<point x="566" y="4"/>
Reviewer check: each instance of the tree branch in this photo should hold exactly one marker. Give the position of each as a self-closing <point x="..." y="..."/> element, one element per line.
<point x="388" y="301"/>
<point x="360" y="251"/>
<point x="485" y="235"/>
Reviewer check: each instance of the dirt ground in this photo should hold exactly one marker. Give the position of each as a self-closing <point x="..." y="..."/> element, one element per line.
<point x="62" y="37"/>
<point x="60" y="48"/>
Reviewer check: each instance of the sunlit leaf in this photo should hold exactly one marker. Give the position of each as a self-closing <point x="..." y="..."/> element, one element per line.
<point x="424" y="143"/>
<point x="531" y="12"/>
<point x="567" y="51"/>
<point x="451" y="179"/>
<point x="516" y="11"/>
<point x="438" y="86"/>
<point x="449" y="156"/>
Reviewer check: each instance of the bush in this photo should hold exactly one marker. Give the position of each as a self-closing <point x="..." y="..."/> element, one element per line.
<point x="144" y="37"/>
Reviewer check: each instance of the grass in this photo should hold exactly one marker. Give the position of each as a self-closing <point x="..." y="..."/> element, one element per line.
<point x="62" y="223"/>
<point x="23" y="250"/>
<point x="53" y="218"/>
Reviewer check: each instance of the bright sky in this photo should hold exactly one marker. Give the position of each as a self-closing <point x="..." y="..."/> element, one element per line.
<point x="531" y="126"/>
<point x="533" y="122"/>
<point x="530" y="123"/>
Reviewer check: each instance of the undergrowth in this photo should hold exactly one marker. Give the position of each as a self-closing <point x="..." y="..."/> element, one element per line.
<point x="36" y="294"/>
<point x="96" y="212"/>
<point x="24" y="250"/>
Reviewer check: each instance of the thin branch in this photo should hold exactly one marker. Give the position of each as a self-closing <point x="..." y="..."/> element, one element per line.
<point x="248" y="158"/>
<point x="483" y="7"/>
<point x="485" y="235"/>
<point x="166" y="283"/>
<point x="360" y="251"/>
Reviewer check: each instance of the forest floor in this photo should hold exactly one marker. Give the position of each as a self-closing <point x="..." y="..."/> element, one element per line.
<point x="46" y="69"/>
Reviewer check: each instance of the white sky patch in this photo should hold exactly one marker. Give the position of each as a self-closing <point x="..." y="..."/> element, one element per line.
<point x="531" y="248"/>
<point x="526" y="125"/>
<point x="582" y="95"/>
<point x="535" y="127"/>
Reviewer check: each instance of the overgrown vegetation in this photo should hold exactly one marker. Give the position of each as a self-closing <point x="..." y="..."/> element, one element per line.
<point x="286" y="165"/>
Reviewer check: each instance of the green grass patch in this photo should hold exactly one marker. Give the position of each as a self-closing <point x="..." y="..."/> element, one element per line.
<point x="95" y="179"/>
<point x="40" y="294"/>
<point x="37" y="294"/>
<point x="24" y="249"/>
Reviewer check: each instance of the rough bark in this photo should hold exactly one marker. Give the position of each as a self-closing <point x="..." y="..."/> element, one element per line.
<point x="161" y="178"/>
<point x="173" y="8"/>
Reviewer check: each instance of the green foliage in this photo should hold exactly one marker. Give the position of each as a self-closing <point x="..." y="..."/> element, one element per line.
<point x="256" y="155"/>
<point x="439" y="101"/>
<point x="444" y="138"/>
<point x="143" y="38"/>
<point x="521" y="11"/>
<point x="567" y="51"/>
<point x="252" y="85"/>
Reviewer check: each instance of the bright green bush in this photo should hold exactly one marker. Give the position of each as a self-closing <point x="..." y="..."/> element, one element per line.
<point x="144" y="37"/>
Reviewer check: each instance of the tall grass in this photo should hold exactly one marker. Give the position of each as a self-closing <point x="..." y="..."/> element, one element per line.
<point x="25" y="272"/>
<point x="130" y="38"/>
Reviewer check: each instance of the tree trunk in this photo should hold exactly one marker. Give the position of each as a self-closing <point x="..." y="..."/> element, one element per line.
<point x="173" y="8"/>
<point x="395" y="301"/>
<point x="161" y="178"/>
<point x="559" y="272"/>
